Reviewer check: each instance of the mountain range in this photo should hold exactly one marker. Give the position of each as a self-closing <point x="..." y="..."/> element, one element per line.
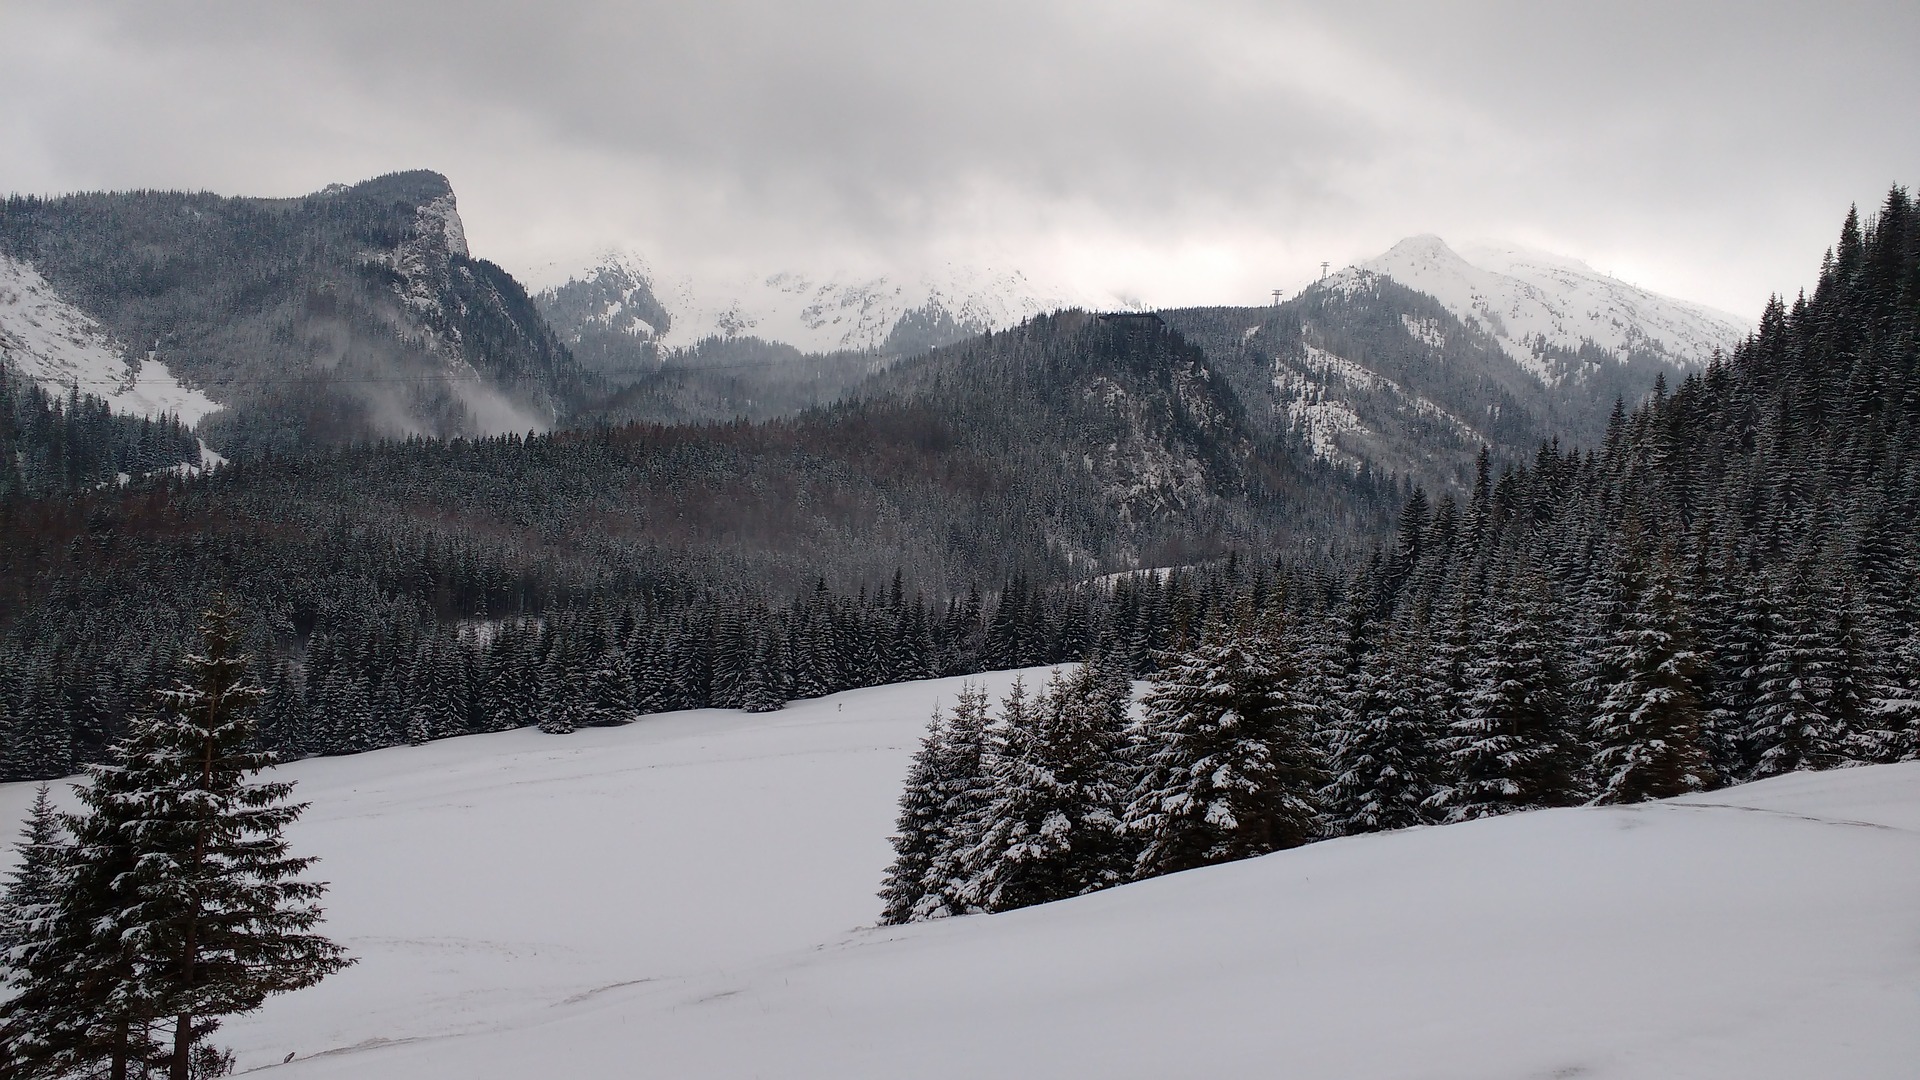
<point x="1405" y="363"/>
<point x="358" y="312"/>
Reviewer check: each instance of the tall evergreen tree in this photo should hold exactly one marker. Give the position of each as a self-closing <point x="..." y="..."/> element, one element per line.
<point x="1507" y="747"/>
<point x="1805" y="689"/>
<point x="966" y="797"/>
<point x="1384" y="765"/>
<point x="27" y="899"/>
<point x="1230" y="771"/>
<point x="1053" y="828"/>
<point x="188" y="904"/>
<point x="1647" y="731"/>
<point x="917" y="832"/>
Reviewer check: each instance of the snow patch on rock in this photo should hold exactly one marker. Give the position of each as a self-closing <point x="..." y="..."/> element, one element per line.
<point x="1312" y="387"/>
<point x="440" y="218"/>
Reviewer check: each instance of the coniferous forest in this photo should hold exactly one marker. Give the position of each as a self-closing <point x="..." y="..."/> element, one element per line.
<point x="1727" y="589"/>
<point x="959" y="516"/>
<point x="1721" y="590"/>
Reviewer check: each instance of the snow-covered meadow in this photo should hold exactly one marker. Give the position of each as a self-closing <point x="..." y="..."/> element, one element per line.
<point x="693" y="896"/>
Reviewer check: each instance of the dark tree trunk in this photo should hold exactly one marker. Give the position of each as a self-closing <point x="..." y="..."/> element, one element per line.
<point x="182" y="1047"/>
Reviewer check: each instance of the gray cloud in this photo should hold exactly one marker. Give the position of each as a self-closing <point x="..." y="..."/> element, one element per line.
<point x="1177" y="151"/>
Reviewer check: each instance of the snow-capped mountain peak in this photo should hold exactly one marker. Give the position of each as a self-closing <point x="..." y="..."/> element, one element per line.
<point x="813" y="312"/>
<point x="1549" y="312"/>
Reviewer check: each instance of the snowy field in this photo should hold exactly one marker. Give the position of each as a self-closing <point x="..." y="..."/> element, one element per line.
<point x="692" y="896"/>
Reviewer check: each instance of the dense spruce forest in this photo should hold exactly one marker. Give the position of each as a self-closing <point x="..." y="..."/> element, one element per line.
<point x="955" y="517"/>
<point x="1727" y="589"/>
<point x="51" y="445"/>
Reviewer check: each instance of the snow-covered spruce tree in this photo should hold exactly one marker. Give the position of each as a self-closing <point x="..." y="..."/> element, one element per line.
<point x="437" y="710"/>
<point x="917" y="831"/>
<point x="194" y="908"/>
<point x="1052" y="829"/>
<point x="966" y="794"/>
<point x="1383" y="764"/>
<point x="75" y="1011"/>
<point x="610" y="688"/>
<point x="1805" y="688"/>
<point x="1733" y="617"/>
<point x="1230" y="770"/>
<point x="1506" y="748"/>
<point x="42" y="1022"/>
<point x="564" y="707"/>
<point x="286" y="725"/>
<point x="1894" y="727"/>
<point x="26" y="901"/>
<point x="1647" y="729"/>
<point x="941" y="808"/>
<point x="764" y="686"/>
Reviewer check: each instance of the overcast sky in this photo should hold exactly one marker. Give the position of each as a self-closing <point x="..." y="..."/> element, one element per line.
<point x="1200" y="150"/>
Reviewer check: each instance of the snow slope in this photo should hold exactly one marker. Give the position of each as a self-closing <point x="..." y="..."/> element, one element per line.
<point x="688" y="897"/>
<point x="1525" y="297"/>
<point x="54" y="343"/>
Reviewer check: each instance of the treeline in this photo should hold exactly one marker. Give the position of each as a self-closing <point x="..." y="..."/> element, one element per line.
<point x="52" y="445"/>
<point x="365" y="677"/>
<point x="1064" y="792"/>
<point x="1728" y="589"/>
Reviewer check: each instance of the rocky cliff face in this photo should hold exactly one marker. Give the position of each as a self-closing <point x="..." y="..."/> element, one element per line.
<point x="355" y="312"/>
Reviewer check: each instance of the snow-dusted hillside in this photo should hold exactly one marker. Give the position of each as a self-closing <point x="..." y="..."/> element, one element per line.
<point x="49" y="340"/>
<point x="692" y="896"/>
<point x="812" y="312"/>
<point x="1535" y="303"/>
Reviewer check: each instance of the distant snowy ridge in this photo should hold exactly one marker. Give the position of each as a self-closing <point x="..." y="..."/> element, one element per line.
<point x="45" y="338"/>
<point x="813" y="312"/>
<point x="1537" y="305"/>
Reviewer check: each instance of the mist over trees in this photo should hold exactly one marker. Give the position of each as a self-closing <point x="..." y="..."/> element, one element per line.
<point x="350" y="314"/>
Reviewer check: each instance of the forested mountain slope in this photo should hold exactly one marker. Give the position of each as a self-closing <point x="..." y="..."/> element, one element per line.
<point x="1374" y="366"/>
<point x="51" y="445"/>
<point x="1728" y="585"/>
<point x="425" y="588"/>
<point x="352" y="313"/>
